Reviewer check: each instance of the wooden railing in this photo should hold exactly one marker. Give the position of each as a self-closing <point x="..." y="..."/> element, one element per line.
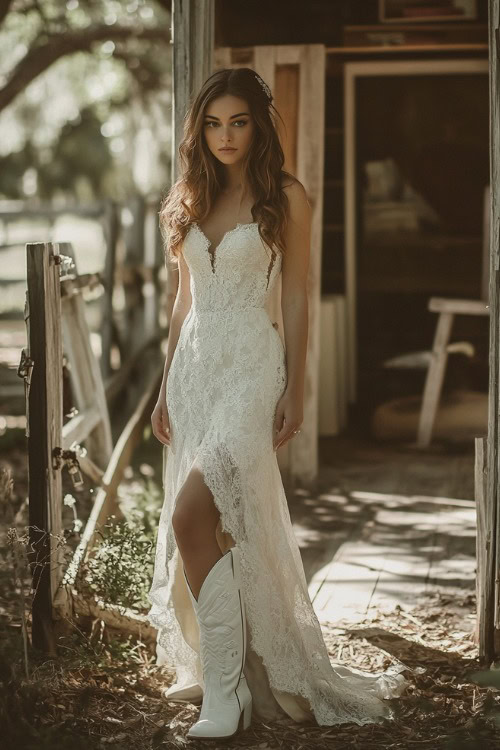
<point x="58" y="343"/>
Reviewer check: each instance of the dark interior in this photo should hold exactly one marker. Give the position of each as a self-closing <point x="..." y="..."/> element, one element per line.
<point x="433" y="129"/>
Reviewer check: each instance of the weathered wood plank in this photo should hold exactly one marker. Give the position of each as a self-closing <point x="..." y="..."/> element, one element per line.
<point x="483" y="544"/>
<point x="44" y="433"/>
<point x="79" y="427"/>
<point x="85" y="374"/>
<point x="348" y="582"/>
<point x="111" y="228"/>
<point x="453" y="563"/>
<point x="192" y="63"/>
<point x="401" y="548"/>
<point x="491" y="588"/>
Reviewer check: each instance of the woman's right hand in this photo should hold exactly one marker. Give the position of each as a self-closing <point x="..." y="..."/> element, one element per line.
<point x="160" y="421"/>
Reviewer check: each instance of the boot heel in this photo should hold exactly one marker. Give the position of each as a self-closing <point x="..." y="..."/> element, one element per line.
<point x="247" y="714"/>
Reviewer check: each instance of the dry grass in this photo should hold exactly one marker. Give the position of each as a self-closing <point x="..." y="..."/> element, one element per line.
<point x="101" y="691"/>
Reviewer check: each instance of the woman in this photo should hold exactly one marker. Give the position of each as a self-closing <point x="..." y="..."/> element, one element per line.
<point x="229" y="595"/>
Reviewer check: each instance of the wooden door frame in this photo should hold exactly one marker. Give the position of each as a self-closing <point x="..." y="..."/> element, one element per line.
<point x="352" y="72"/>
<point x="489" y="637"/>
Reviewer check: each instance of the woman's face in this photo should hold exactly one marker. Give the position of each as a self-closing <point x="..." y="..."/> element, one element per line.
<point x="228" y="124"/>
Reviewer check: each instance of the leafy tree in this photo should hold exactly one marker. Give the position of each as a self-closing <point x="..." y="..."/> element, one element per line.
<point x="80" y="80"/>
<point x="46" y="30"/>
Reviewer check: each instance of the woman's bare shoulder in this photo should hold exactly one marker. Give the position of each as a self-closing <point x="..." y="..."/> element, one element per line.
<point x="299" y="206"/>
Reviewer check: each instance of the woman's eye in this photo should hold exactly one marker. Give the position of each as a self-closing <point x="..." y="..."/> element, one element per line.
<point x="211" y="122"/>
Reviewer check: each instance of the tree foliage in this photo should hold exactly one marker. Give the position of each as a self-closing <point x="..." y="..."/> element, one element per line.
<point x="80" y="78"/>
<point x="43" y="31"/>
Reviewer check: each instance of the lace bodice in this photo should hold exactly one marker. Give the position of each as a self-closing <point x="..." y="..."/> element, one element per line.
<point x="217" y="278"/>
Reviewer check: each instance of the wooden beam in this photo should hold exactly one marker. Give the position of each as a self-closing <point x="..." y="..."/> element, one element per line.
<point x="493" y="565"/>
<point x="111" y="228"/>
<point x="85" y="373"/>
<point x="382" y="49"/>
<point x="484" y="590"/>
<point x="120" y="618"/>
<point x="193" y="44"/>
<point x="44" y="433"/>
<point x="79" y="427"/>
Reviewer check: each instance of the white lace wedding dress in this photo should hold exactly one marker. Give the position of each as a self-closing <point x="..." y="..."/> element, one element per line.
<point x="226" y="376"/>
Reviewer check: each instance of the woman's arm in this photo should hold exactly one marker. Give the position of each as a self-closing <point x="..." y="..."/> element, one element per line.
<point x="180" y="309"/>
<point x="294" y="305"/>
<point x="294" y="286"/>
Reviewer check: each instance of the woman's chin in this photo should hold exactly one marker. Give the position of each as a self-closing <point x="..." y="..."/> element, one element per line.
<point x="228" y="156"/>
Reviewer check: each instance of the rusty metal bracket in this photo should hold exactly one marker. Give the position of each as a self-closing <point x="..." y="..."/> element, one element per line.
<point x="69" y="458"/>
<point x="24" y="370"/>
<point x="25" y="367"/>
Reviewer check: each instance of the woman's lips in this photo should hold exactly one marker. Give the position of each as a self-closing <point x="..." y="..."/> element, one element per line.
<point x="227" y="149"/>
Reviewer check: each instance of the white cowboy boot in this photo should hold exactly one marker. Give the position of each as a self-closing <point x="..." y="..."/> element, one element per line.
<point x="221" y="617"/>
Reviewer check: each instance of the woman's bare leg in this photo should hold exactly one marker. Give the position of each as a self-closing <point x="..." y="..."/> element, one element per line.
<point x="194" y="521"/>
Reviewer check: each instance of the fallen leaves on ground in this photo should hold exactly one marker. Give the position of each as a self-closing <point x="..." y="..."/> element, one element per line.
<point x="101" y="698"/>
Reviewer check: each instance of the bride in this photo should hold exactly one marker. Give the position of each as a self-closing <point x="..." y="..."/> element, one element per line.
<point x="229" y="596"/>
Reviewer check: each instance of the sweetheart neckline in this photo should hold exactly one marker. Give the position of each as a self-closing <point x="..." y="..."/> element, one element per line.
<point x="229" y="231"/>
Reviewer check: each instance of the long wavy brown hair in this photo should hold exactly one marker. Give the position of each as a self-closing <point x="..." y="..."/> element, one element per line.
<point x="202" y="176"/>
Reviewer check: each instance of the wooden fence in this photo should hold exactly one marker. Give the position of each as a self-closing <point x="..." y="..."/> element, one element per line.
<point x="61" y="376"/>
<point x="132" y="261"/>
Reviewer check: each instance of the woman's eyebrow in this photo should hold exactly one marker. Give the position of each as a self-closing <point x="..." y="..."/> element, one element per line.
<point x="237" y="115"/>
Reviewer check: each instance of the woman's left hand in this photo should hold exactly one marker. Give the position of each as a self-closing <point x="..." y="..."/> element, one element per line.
<point x="288" y="418"/>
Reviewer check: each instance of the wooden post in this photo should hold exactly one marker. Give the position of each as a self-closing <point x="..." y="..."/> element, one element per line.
<point x="494" y="297"/>
<point x="151" y="285"/>
<point x="110" y="225"/>
<point x="484" y="557"/>
<point x="193" y="42"/>
<point x="45" y="422"/>
<point x="491" y="619"/>
<point x="85" y="374"/>
<point x="54" y="304"/>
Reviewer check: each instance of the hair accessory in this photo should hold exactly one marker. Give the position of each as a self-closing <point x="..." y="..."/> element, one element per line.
<point x="265" y="87"/>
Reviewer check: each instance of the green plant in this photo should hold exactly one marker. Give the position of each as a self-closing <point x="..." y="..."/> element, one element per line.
<point x="121" y="566"/>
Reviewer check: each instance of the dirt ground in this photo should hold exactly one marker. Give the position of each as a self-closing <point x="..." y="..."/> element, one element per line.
<point x="102" y="690"/>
